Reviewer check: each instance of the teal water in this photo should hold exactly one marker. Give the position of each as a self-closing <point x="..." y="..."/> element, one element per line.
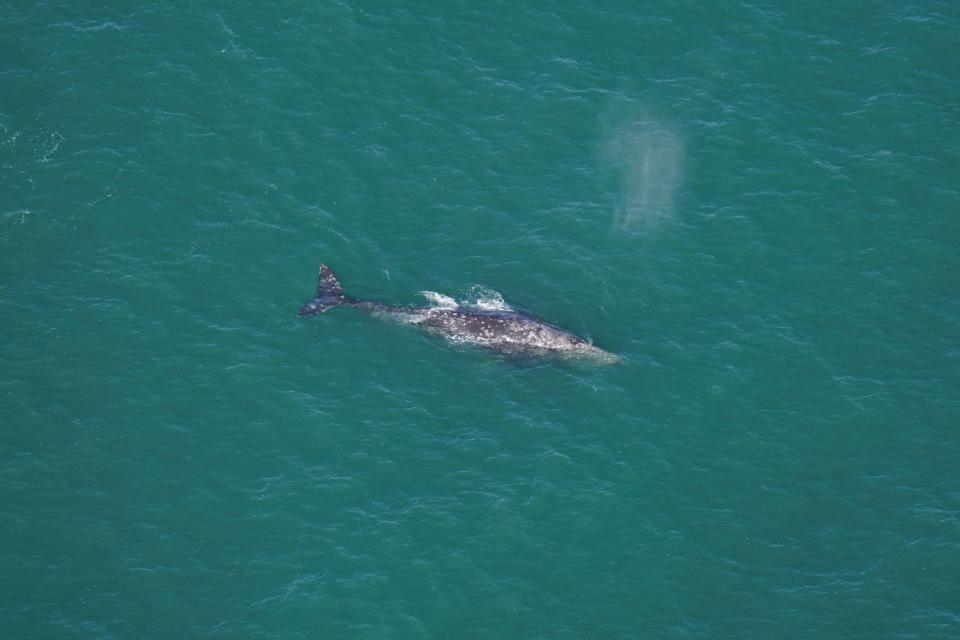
<point x="755" y="204"/>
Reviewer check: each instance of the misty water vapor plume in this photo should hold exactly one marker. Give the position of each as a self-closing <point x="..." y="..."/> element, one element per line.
<point x="647" y="155"/>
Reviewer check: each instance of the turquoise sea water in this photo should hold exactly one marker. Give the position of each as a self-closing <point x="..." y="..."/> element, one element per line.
<point x="755" y="204"/>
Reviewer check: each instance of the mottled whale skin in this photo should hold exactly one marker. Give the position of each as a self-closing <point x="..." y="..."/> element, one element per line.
<point x="505" y="331"/>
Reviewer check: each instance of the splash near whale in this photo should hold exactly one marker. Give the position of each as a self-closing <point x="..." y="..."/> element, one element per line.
<point x="495" y="326"/>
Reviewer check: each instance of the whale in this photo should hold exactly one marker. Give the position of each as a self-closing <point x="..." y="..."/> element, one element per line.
<point x="504" y="331"/>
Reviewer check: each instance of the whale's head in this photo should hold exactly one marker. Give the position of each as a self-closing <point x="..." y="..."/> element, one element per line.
<point x="594" y="354"/>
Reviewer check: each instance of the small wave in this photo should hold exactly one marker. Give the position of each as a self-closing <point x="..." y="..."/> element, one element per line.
<point x="440" y="300"/>
<point x="476" y="297"/>
<point x="485" y="299"/>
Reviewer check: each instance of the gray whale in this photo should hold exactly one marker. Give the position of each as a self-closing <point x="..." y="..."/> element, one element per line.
<point x="505" y="331"/>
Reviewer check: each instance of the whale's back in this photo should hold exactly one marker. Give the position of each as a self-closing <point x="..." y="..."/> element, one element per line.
<point x="503" y="331"/>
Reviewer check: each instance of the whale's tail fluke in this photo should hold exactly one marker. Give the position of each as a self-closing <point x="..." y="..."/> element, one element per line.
<point x="329" y="294"/>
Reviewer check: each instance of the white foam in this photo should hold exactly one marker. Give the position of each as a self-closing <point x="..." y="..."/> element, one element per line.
<point x="484" y="299"/>
<point x="439" y="300"/>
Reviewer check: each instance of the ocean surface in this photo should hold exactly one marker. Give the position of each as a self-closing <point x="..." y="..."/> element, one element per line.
<point x="756" y="205"/>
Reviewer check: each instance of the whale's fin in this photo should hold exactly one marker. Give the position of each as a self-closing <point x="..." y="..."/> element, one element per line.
<point x="327" y="283"/>
<point x="329" y="293"/>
